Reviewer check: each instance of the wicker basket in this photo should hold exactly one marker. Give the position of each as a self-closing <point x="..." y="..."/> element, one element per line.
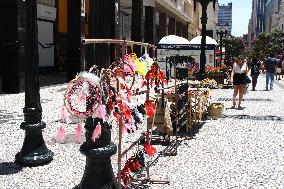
<point x="215" y="110"/>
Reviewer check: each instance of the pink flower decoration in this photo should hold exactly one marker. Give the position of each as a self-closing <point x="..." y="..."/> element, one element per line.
<point x="78" y="132"/>
<point x="61" y="133"/>
<point x="101" y="112"/>
<point x="97" y="132"/>
<point x="63" y="114"/>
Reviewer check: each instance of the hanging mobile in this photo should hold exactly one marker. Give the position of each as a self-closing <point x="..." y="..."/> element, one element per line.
<point x="83" y="95"/>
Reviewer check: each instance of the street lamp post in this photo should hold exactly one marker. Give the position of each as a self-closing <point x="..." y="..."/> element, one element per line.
<point x="222" y="31"/>
<point x="98" y="173"/>
<point x="204" y="5"/>
<point x="34" y="151"/>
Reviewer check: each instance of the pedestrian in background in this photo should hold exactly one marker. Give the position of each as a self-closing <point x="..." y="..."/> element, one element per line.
<point x="282" y="62"/>
<point x="270" y="66"/>
<point x="278" y="70"/>
<point x="238" y="76"/>
<point x="254" y="72"/>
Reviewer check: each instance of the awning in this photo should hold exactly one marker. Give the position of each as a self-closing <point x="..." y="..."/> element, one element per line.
<point x="197" y="41"/>
<point x="173" y="40"/>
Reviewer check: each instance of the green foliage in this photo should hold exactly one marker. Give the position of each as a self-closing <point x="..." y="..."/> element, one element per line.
<point x="234" y="47"/>
<point x="249" y="52"/>
<point x="268" y="43"/>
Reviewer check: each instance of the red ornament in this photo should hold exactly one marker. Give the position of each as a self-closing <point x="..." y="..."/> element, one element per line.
<point x="150" y="108"/>
<point x="150" y="150"/>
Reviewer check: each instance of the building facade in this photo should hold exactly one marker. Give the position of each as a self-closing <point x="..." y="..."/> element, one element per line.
<point x="250" y="33"/>
<point x="225" y="16"/>
<point x="212" y="20"/>
<point x="271" y="15"/>
<point x="258" y="16"/>
<point x="281" y="16"/>
<point x="143" y="20"/>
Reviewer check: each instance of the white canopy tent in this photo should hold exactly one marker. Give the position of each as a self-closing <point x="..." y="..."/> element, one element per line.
<point x="173" y="40"/>
<point x="174" y="45"/>
<point x="197" y="41"/>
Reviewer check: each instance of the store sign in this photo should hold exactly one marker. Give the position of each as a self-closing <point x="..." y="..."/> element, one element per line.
<point x="150" y="3"/>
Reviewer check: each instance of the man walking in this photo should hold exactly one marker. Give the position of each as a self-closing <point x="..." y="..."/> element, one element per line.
<point x="255" y="67"/>
<point x="270" y="65"/>
<point x="282" y="62"/>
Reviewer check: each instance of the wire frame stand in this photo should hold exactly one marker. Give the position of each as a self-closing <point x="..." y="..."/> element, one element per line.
<point x="124" y="44"/>
<point x="148" y="140"/>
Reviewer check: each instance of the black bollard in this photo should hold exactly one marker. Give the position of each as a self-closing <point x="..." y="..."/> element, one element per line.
<point x="98" y="172"/>
<point x="34" y="151"/>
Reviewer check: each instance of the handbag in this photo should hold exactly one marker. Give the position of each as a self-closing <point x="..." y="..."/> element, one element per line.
<point x="247" y="80"/>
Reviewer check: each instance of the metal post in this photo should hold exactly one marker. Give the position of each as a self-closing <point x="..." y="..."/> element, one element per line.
<point x="204" y="4"/>
<point x="98" y="172"/>
<point x="34" y="151"/>
<point x="120" y="129"/>
<point x="204" y="18"/>
<point x="176" y="107"/>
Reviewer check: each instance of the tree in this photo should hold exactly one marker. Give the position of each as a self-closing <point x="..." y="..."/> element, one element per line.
<point x="249" y="52"/>
<point x="234" y="47"/>
<point x="268" y="43"/>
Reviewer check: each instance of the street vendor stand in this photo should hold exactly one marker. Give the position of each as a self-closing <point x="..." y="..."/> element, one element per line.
<point x="185" y="99"/>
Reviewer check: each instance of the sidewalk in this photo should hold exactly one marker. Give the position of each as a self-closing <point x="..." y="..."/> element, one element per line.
<point x="244" y="149"/>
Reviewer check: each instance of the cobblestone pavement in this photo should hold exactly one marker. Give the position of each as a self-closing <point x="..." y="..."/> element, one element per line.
<point x="244" y="149"/>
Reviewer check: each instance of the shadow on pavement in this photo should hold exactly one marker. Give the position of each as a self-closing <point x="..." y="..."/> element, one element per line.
<point x="5" y="116"/>
<point x="46" y="79"/>
<point x="196" y="128"/>
<point x="9" y="168"/>
<point x="257" y="118"/>
<point x="248" y="99"/>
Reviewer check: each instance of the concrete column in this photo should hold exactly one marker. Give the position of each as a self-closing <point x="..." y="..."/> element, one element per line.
<point x="9" y="46"/>
<point x="103" y="25"/>
<point x="162" y="25"/>
<point x="136" y="23"/>
<point x="73" y="38"/>
<point x="172" y="26"/>
<point x="150" y="25"/>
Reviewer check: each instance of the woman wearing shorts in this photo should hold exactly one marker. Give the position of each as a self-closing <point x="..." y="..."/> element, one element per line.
<point x="239" y="72"/>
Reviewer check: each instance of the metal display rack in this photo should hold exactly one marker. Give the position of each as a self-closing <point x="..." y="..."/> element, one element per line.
<point x="124" y="44"/>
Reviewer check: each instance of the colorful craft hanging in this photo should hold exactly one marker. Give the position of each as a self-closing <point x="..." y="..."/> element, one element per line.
<point x="154" y="75"/>
<point x="83" y="95"/>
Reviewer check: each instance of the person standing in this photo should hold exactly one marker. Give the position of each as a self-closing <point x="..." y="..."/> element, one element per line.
<point x="279" y="69"/>
<point x="282" y="65"/>
<point x="270" y="65"/>
<point x="255" y="68"/>
<point x="239" y="72"/>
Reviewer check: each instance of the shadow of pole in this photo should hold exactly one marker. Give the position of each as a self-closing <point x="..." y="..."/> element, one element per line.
<point x="9" y="168"/>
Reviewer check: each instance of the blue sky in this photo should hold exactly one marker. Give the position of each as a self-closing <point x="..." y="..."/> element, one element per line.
<point x="241" y="15"/>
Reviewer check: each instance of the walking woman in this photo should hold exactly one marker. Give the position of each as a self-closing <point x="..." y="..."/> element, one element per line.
<point x="239" y="72"/>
